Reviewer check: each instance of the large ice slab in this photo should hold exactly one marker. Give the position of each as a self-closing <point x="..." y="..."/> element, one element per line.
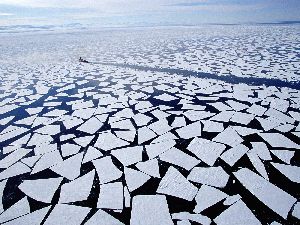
<point x="206" y="150"/>
<point x="190" y="131"/>
<point x="149" y="210"/>
<point x="67" y="214"/>
<point x="175" y="184"/>
<point x="106" y="170"/>
<point x="41" y="190"/>
<point x="208" y="196"/>
<point x="179" y="158"/>
<point x="78" y="189"/>
<point x="237" y="214"/>
<point x="266" y="192"/>
<point x="108" y="141"/>
<point x="213" y="176"/>
<point x="129" y="155"/>
<point x="135" y="179"/>
<point x="111" y="196"/>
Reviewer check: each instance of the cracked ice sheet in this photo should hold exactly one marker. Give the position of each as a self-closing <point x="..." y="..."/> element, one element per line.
<point x="135" y="179"/>
<point x="108" y="141"/>
<point x="266" y="192"/>
<point x="91" y="126"/>
<point x="160" y="127"/>
<point x="149" y="210"/>
<point x="175" y="184"/>
<point x="232" y="155"/>
<point x="35" y="217"/>
<point x="206" y="150"/>
<point x="156" y="149"/>
<point x="229" y="137"/>
<point x="18" y="209"/>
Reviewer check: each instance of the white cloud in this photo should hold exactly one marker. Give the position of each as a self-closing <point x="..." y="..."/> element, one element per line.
<point x="103" y="5"/>
<point x="6" y="14"/>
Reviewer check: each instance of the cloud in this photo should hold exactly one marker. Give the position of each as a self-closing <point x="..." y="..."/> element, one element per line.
<point x="147" y="11"/>
<point x="6" y="14"/>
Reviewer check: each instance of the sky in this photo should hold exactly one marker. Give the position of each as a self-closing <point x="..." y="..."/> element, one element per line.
<point x="146" y="12"/>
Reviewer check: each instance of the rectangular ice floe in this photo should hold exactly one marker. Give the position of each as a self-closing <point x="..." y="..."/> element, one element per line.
<point x="213" y="176"/>
<point x="129" y="155"/>
<point x="145" y="134"/>
<point x="197" y="115"/>
<point x="211" y="126"/>
<point x="232" y="155"/>
<point x="69" y="149"/>
<point x="69" y="168"/>
<point x="179" y="158"/>
<point x="149" y="167"/>
<point x="111" y="196"/>
<point x="160" y="127"/>
<point x="141" y="119"/>
<point x="190" y="131"/>
<point x="256" y="110"/>
<point x="242" y="118"/>
<point x="20" y="208"/>
<point x="224" y="116"/>
<point x="106" y="170"/>
<point x="266" y="192"/>
<point x="149" y="210"/>
<point x="237" y="106"/>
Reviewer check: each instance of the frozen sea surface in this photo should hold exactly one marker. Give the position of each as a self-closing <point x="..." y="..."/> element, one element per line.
<point x="182" y="125"/>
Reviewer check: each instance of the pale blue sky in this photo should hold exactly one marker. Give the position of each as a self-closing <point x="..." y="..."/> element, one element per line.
<point x="145" y="12"/>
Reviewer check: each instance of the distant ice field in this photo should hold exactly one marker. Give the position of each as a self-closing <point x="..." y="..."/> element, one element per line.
<point x="243" y="51"/>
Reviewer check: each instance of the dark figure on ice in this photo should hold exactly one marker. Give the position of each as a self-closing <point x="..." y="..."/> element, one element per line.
<point x="82" y="60"/>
